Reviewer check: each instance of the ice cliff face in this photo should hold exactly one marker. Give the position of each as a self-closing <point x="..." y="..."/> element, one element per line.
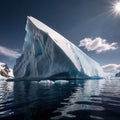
<point x="47" y="54"/>
<point x="5" y="71"/>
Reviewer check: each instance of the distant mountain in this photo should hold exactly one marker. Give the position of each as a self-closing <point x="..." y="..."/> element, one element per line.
<point x="5" y="71"/>
<point x="117" y="74"/>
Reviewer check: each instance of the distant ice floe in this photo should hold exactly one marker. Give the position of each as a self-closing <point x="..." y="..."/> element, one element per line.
<point x="50" y="82"/>
<point x="45" y="82"/>
<point x="61" y="81"/>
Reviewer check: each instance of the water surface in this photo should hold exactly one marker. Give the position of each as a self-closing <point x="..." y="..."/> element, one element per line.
<point x="60" y="100"/>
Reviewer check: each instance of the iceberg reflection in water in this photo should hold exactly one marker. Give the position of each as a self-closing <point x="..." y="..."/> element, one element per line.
<point x="61" y="99"/>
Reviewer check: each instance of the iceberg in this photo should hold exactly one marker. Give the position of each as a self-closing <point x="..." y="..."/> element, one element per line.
<point x="47" y="54"/>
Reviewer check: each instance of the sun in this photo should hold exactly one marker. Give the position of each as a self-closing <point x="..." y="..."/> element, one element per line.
<point x="116" y="8"/>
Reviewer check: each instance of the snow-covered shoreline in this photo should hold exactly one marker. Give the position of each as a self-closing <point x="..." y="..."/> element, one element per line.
<point x="5" y="71"/>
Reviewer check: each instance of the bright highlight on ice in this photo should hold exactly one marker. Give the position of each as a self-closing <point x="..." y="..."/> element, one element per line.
<point x="116" y="8"/>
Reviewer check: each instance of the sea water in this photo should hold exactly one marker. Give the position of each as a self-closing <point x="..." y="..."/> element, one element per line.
<point x="60" y="100"/>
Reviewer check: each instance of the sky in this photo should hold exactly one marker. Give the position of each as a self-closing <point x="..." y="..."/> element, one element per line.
<point x="91" y="25"/>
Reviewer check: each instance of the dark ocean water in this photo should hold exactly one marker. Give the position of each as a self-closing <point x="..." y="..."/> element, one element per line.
<point x="60" y="100"/>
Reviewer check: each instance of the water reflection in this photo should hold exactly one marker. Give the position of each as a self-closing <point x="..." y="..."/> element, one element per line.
<point x="96" y="99"/>
<point x="81" y="98"/>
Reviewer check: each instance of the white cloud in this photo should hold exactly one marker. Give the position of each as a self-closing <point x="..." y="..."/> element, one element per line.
<point x="111" y="68"/>
<point x="98" y="44"/>
<point x="9" y="52"/>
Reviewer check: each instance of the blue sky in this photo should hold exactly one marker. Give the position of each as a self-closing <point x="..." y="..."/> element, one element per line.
<point x="77" y="20"/>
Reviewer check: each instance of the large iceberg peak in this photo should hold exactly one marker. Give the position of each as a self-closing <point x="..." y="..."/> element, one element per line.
<point x="47" y="54"/>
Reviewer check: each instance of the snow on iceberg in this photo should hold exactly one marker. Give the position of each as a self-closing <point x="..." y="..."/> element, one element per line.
<point x="47" y="54"/>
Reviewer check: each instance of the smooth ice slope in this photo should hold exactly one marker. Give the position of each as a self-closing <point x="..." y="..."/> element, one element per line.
<point x="46" y="54"/>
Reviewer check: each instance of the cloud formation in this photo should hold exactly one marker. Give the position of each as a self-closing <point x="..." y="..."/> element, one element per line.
<point x="111" y="68"/>
<point x="98" y="44"/>
<point x="9" y="52"/>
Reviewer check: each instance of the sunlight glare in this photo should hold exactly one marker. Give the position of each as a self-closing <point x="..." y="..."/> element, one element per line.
<point x="116" y="8"/>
